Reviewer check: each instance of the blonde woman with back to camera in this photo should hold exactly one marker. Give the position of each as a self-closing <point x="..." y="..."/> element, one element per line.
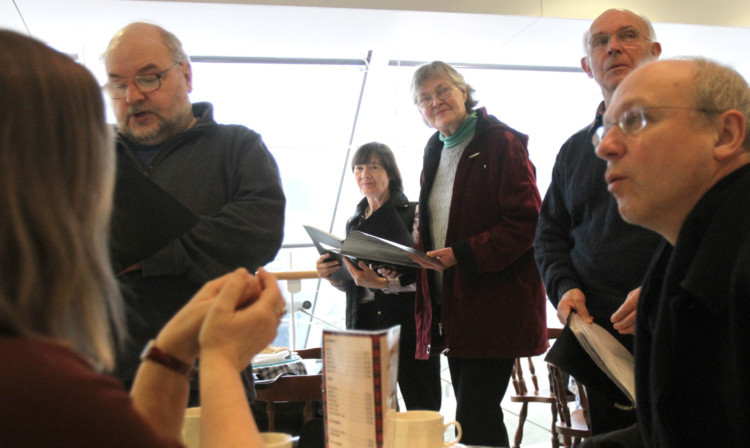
<point x="60" y="312"/>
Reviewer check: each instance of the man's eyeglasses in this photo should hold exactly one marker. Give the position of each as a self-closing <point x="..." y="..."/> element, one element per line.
<point x="442" y="93"/>
<point x="634" y="119"/>
<point x="626" y="36"/>
<point x="144" y="83"/>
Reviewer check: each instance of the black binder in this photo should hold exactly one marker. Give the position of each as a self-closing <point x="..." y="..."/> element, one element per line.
<point x="145" y="218"/>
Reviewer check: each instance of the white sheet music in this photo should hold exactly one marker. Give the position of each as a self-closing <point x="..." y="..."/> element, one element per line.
<point x="607" y="352"/>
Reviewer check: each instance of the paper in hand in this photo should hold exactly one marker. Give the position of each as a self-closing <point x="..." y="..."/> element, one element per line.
<point x="594" y="357"/>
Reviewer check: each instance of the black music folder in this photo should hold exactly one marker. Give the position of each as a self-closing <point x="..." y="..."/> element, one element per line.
<point x="145" y="218"/>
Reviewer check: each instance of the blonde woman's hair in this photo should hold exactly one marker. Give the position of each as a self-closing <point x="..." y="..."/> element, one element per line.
<point x="56" y="183"/>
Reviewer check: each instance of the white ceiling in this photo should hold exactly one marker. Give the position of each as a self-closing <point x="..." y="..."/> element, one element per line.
<point x="715" y="12"/>
<point x="538" y="33"/>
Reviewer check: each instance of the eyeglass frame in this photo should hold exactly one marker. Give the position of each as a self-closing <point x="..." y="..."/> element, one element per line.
<point x="423" y="102"/>
<point x="617" y="34"/>
<point x="159" y="76"/>
<point x="601" y="131"/>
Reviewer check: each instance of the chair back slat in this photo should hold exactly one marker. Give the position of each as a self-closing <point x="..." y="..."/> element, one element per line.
<point x="524" y="396"/>
<point x="574" y="425"/>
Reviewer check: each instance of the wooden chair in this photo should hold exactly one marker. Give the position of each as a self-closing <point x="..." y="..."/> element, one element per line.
<point x="292" y="388"/>
<point x="576" y="425"/>
<point x="524" y="396"/>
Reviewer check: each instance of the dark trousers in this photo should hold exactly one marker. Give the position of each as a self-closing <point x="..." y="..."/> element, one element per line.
<point x="479" y="385"/>
<point x="605" y="417"/>
<point x="623" y="438"/>
<point x="418" y="380"/>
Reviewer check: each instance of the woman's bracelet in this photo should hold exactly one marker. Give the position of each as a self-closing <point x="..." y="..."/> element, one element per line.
<point x="157" y="355"/>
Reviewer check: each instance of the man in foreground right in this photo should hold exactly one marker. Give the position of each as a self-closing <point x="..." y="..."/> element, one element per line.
<point x="675" y="139"/>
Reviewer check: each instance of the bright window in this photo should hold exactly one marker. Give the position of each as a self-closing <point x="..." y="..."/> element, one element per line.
<point x="313" y="116"/>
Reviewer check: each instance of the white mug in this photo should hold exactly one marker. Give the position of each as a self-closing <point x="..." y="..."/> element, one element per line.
<point x="191" y="428"/>
<point x="276" y="439"/>
<point x="421" y="429"/>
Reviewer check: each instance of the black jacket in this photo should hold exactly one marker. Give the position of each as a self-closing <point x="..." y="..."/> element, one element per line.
<point x="226" y="176"/>
<point x="581" y="240"/>
<point x="401" y="311"/>
<point x="692" y="344"/>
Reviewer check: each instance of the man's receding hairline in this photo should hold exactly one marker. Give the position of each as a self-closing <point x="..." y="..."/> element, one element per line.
<point x="646" y="24"/>
<point x="117" y="38"/>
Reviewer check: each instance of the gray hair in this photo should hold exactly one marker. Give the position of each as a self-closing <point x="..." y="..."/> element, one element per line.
<point x="174" y="45"/>
<point x="651" y="33"/>
<point x="439" y="69"/>
<point x="719" y="88"/>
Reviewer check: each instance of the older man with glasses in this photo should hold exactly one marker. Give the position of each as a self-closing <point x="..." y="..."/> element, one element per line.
<point x="591" y="260"/>
<point x="224" y="174"/>
<point x="675" y="142"/>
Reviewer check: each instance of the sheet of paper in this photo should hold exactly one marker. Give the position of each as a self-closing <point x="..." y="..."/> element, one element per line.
<point x="607" y="352"/>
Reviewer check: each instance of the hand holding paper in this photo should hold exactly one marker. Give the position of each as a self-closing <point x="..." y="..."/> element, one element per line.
<point x="624" y="318"/>
<point x="611" y="356"/>
<point x="438" y="260"/>
<point x="573" y="299"/>
<point x="428" y="262"/>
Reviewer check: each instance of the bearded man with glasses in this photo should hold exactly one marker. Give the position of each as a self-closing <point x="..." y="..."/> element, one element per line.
<point x="223" y="174"/>
<point x="591" y="260"/>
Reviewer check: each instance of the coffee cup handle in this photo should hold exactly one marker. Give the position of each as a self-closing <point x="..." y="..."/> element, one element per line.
<point x="458" y="430"/>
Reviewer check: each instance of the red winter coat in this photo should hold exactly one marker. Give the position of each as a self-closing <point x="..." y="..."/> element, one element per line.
<point x="493" y="299"/>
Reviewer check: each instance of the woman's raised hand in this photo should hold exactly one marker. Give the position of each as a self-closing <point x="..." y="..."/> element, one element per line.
<point x="243" y="318"/>
<point x="179" y="337"/>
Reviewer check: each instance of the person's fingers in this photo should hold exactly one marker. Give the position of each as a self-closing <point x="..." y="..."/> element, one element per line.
<point x="420" y="262"/>
<point x="271" y="292"/>
<point x="583" y="313"/>
<point x="563" y="312"/>
<point x="433" y="263"/>
<point x="386" y="272"/>
<point x="233" y="291"/>
<point x="625" y="314"/>
<point x="212" y="287"/>
<point x="350" y="266"/>
<point x="626" y="325"/>
<point x="628" y="330"/>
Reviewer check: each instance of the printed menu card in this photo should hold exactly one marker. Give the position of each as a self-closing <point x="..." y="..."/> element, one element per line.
<point x="359" y="378"/>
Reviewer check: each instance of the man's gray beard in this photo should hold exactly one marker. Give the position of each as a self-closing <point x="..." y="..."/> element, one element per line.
<point x="162" y="133"/>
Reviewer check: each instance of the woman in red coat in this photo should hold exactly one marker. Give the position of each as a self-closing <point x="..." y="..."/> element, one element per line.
<point x="482" y="301"/>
